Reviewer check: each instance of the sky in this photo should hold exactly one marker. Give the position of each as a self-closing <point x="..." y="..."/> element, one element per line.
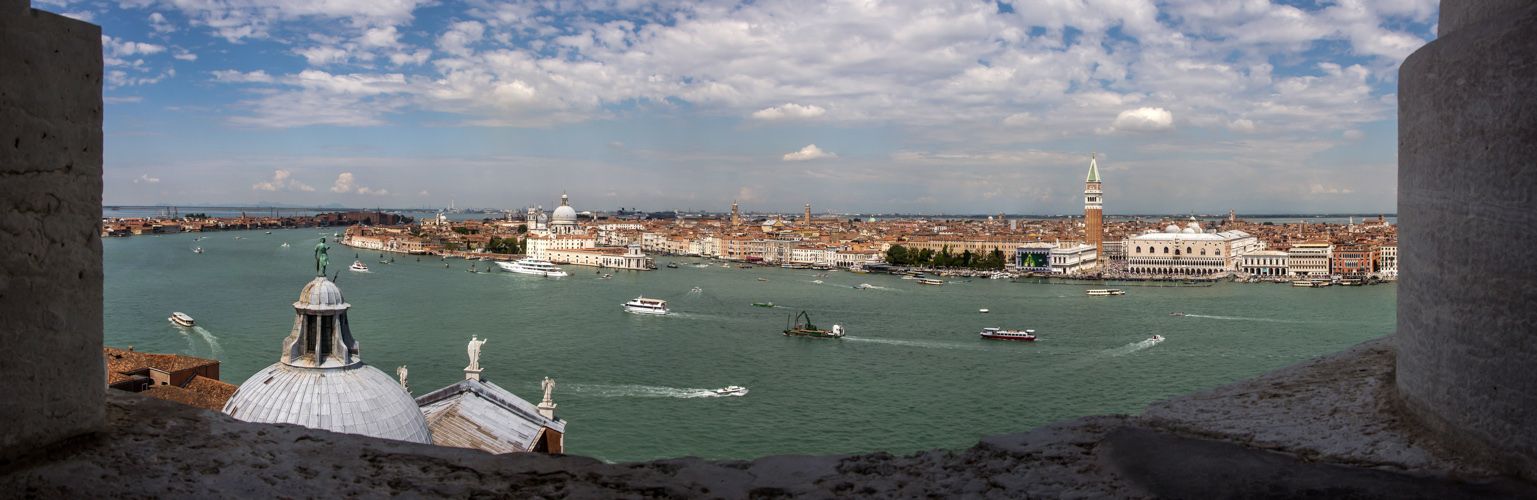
<point x="858" y="106"/>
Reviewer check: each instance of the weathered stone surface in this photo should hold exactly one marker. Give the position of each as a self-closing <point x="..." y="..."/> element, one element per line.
<point x="1467" y="196"/>
<point x="50" y="207"/>
<point x="1340" y="408"/>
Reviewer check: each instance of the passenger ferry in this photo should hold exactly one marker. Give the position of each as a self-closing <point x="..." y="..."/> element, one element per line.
<point x="930" y="281"/>
<point x="181" y="319"/>
<point x="533" y="266"/>
<point x="642" y="305"/>
<point x="358" y="266"/>
<point x="994" y="333"/>
<point x="1106" y="292"/>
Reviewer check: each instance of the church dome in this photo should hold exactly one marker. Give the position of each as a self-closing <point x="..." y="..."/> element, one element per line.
<point x="1171" y="229"/>
<point x="1187" y="231"/>
<point x="321" y="295"/>
<point x="358" y="399"/>
<point x="564" y="213"/>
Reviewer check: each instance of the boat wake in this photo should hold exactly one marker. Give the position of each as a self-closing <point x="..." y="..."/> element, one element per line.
<point x="643" y="391"/>
<point x="916" y="343"/>
<point x="1234" y="318"/>
<point x="1130" y="348"/>
<point x="214" y="348"/>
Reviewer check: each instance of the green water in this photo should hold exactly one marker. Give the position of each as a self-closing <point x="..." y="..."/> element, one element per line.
<point x="911" y="375"/>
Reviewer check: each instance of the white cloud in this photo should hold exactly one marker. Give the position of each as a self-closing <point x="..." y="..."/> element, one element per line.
<point x="1242" y="126"/>
<point x="376" y="192"/>
<point x="185" y="56"/>
<point x="810" y="152"/>
<point x="423" y="193"/>
<point x="1145" y="120"/>
<point x="117" y="100"/>
<point x="1354" y="134"/>
<point x="145" y="178"/>
<point x="282" y="180"/>
<point x="83" y="15"/>
<point x="789" y="110"/>
<point x="233" y="76"/>
<point x="343" y="183"/>
<point x="616" y="144"/>
<point x="459" y="36"/>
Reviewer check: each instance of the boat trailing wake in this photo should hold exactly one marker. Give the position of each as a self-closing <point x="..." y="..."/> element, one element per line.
<point x="213" y="342"/>
<point x="1130" y="348"/>
<point x="643" y="391"/>
<point x="916" y="343"/>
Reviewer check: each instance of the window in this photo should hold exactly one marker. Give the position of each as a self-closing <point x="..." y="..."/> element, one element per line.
<point x="1188" y="251"/>
<point x="1203" y="251"/>
<point x="1165" y="249"/>
<point x="1139" y="249"/>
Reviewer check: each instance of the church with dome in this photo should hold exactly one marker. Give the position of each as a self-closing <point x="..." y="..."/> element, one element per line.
<point x="320" y="381"/>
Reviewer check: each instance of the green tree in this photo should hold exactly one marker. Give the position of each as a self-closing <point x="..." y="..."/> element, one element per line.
<point x="462" y="230"/>
<point x="522" y="228"/>
<point x="925" y="257"/>
<point x="897" y="255"/>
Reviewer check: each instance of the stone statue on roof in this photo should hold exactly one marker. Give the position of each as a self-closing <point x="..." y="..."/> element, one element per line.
<point x="321" y="259"/>
<point x="400" y="371"/>
<point x="549" y="385"/>
<point x="475" y="353"/>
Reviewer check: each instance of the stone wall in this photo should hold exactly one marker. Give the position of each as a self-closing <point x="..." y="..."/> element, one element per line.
<point x="1467" y="202"/>
<point x="50" y="207"/>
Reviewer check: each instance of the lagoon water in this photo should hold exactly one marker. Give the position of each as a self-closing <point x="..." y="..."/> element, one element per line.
<point x="911" y="375"/>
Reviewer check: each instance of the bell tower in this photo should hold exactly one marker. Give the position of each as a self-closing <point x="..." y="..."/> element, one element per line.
<point x="736" y="217"/>
<point x="1093" y="210"/>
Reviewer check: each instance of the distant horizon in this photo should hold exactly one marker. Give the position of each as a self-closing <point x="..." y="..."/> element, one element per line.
<point x="727" y="212"/>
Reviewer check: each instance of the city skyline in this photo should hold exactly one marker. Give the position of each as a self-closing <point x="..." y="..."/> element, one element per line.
<point x="959" y="107"/>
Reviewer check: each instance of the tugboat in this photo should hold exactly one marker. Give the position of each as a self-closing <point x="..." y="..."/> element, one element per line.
<point x="181" y="319"/>
<point x="809" y="330"/>
<point x="994" y="333"/>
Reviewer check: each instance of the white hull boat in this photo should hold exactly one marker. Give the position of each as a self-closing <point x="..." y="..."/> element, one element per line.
<point x="181" y="319"/>
<point x="533" y="267"/>
<point x="642" y="305"/>
<point x="358" y="266"/>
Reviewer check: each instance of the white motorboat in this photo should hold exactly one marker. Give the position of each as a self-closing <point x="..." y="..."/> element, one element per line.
<point x="533" y="266"/>
<point x="285" y="244"/>
<point x="198" y="250"/>
<point x="358" y="266"/>
<point x="642" y="305"/>
<point x="735" y="390"/>
<point x="1156" y="339"/>
<point x="983" y="311"/>
<point x="181" y="319"/>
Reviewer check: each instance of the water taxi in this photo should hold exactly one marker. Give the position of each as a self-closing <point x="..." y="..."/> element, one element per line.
<point x="358" y="266"/>
<point x="1105" y="292"/>
<point x="642" y="305"/>
<point x="181" y="319"/>
<point x="735" y="390"/>
<point x="1177" y="314"/>
<point x="930" y="281"/>
<point x="762" y="279"/>
<point x="534" y="267"/>
<point x="994" y="333"/>
<point x="809" y="330"/>
<point x="763" y="304"/>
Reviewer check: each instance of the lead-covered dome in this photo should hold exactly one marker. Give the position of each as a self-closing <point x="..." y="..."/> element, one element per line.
<point x="358" y="399"/>
<point x="564" y="213"/>
<point x="321" y="294"/>
<point x="1171" y="229"/>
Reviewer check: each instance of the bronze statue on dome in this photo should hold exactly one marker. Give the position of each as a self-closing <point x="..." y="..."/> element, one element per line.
<point x="321" y="260"/>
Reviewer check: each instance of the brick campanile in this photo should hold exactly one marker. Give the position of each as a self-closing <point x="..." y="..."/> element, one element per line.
<point x="1093" y="209"/>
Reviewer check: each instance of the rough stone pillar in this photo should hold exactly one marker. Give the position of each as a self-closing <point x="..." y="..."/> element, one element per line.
<point x="1467" y="207"/>
<point x="50" y="245"/>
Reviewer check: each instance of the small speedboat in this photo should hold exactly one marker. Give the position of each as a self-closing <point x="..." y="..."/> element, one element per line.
<point x="697" y="289"/>
<point x="983" y="311"/>
<point x="1156" y="339"/>
<point x="606" y="277"/>
<point x="817" y="281"/>
<point x="181" y="319"/>
<point x="1177" y="314"/>
<point x="198" y="250"/>
<point x="735" y="390"/>
<point x="358" y="266"/>
<point x="762" y="279"/>
<point x="763" y="304"/>
<point x="672" y="266"/>
<point x="285" y="244"/>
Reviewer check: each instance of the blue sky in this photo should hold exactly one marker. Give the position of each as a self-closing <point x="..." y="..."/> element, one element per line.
<point x="856" y="106"/>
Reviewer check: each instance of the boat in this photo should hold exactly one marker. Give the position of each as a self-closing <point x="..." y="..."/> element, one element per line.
<point x="864" y="286"/>
<point x="762" y="279"/>
<point x="930" y="281"/>
<point x="809" y="330"/>
<point x="672" y="266"/>
<point x="269" y="232"/>
<point x="983" y="311"/>
<point x="533" y="266"/>
<point x="642" y="305"/>
<point x="606" y="277"/>
<point x="1178" y="314"/>
<point x="358" y="266"/>
<point x="763" y="304"/>
<point x="817" y="281"/>
<point x="856" y="268"/>
<point x="181" y="319"/>
<point x="285" y="244"/>
<point x="725" y="265"/>
<point x="1156" y="339"/>
<point x="735" y="390"/>
<point x="697" y="289"/>
<point x="995" y="333"/>
<point x="1104" y="292"/>
<point x="197" y="250"/>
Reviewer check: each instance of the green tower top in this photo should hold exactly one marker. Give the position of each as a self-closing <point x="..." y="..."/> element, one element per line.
<point x="1093" y="169"/>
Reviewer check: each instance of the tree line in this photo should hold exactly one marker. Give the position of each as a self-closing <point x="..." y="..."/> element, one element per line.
<point x="903" y="256"/>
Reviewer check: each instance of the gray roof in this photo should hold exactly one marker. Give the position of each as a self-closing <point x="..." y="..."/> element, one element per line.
<point x="356" y="399"/>
<point x="321" y="295"/>
<point x="481" y="415"/>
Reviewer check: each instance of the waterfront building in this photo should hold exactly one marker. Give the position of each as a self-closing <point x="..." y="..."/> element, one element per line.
<point x="172" y="377"/>
<point x="1093" y="209"/>
<point x="539" y="246"/>
<point x="1355" y="261"/>
<point x="1310" y="258"/>
<point x="628" y="258"/>
<point x="1187" y="250"/>
<point x="1033" y="257"/>
<point x="1264" y="263"/>
<point x="1074" y="259"/>
<point x="320" y="380"/>
<point x="1387" y="260"/>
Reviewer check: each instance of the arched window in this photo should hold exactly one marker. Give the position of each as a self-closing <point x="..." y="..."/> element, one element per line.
<point x="1219" y="251"/>
<point x="1188" y="251"/>
<point x="1203" y="251"/>
<point x="1139" y="249"/>
<point x="1165" y="249"/>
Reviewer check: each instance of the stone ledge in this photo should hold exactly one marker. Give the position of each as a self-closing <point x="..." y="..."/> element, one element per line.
<point x="1324" y="427"/>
